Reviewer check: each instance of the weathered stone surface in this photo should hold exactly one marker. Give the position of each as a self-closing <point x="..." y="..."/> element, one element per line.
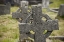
<point x="35" y="23"/>
<point x="61" y="10"/>
<point x="24" y="3"/>
<point x="23" y="12"/>
<point x="16" y="2"/>
<point x="24" y="27"/>
<point x="45" y="3"/>
<point x="2" y="8"/>
<point x="19" y="15"/>
<point x="38" y="25"/>
<point x="5" y="9"/>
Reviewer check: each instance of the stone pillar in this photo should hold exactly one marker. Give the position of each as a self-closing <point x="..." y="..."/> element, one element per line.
<point x="61" y="10"/>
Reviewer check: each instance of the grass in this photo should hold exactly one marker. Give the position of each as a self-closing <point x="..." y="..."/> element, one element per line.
<point x="8" y="28"/>
<point x="56" y="3"/>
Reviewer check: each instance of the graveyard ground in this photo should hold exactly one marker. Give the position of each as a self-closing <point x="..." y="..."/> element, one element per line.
<point x="9" y="31"/>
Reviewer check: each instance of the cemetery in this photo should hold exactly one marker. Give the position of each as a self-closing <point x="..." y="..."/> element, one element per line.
<point x="32" y="21"/>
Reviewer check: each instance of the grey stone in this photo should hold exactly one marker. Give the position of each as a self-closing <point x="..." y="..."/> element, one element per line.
<point x="24" y="3"/>
<point x="24" y="27"/>
<point x="56" y="9"/>
<point x="16" y="2"/>
<point x="5" y="9"/>
<point x="23" y="12"/>
<point x="45" y="3"/>
<point x="61" y="10"/>
<point x="33" y="21"/>
<point x="39" y="26"/>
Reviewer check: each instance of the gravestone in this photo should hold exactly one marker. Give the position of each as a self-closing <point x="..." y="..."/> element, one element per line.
<point x="31" y="20"/>
<point x="61" y="10"/>
<point x="16" y="2"/>
<point x="45" y="3"/>
<point x="5" y="9"/>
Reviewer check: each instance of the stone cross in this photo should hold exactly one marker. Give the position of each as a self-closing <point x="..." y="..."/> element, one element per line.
<point x="32" y="20"/>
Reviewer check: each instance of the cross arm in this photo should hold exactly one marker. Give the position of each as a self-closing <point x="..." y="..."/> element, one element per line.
<point x="24" y="27"/>
<point x="51" y="25"/>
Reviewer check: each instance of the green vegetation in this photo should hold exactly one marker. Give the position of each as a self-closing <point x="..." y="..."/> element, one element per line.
<point x="9" y="31"/>
<point x="56" y="3"/>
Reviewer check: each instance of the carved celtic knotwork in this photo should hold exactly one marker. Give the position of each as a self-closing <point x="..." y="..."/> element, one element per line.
<point x="32" y="21"/>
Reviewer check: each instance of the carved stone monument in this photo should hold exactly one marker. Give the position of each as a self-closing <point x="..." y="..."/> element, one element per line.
<point x="31" y="20"/>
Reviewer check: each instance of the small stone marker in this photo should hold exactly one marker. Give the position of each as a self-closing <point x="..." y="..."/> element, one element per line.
<point x="61" y="10"/>
<point x="32" y="21"/>
<point x="45" y="3"/>
<point x="5" y="9"/>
